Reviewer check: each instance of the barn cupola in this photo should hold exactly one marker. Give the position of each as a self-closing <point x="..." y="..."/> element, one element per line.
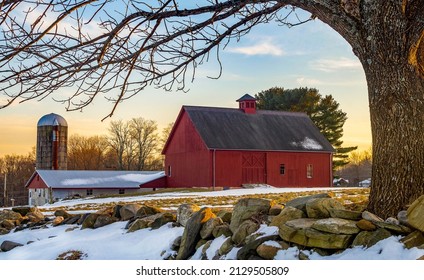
<point x="247" y="103"/>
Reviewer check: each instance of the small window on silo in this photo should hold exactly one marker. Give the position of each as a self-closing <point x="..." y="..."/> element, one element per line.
<point x="54" y="135"/>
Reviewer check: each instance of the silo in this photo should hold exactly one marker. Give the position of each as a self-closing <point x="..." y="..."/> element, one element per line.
<point x="52" y="138"/>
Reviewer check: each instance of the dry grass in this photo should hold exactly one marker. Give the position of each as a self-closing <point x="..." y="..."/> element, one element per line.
<point x="72" y="255"/>
<point x="353" y="199"/>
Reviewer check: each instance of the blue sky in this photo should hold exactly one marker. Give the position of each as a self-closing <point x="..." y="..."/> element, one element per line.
<point x="310" y="55"/>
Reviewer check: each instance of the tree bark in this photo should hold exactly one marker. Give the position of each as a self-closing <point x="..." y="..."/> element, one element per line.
<point x="396" y="97"/>
<point x="397" y="122"/>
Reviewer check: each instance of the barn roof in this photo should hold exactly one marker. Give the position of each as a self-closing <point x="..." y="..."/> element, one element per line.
<point x="232" y="129"/>
<point x="90" y="179"/>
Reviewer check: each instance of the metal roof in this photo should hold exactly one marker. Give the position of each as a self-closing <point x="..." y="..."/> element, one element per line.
<point x="246" y="97"/>
<point x="90" y="179"/>
<point x="232" y="129"/>
<point x="52" y="120"/>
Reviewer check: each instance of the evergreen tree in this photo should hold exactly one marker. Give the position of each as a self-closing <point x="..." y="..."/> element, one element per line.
<point x="324" y="111"/>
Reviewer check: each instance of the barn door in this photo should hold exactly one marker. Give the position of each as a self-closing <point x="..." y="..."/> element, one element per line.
<point x="253" y="168"/>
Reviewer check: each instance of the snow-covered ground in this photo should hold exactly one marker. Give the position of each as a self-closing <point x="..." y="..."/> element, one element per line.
<point x="116" y="254"/>
<point x="112" y="242"/>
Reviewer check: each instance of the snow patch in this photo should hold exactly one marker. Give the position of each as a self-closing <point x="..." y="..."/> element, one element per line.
<point x="265" y="230"/>
<point x="89" y="181"/>
<point x="136" y="178"/>
<point x="273" y="243"/>
<point x="308" y="144"/>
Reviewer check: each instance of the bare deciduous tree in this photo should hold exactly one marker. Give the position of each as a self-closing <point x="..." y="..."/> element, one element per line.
<point x="166" y="132"/>
<point x="133" y="142"/>
<point x="46" y="45"/>
<point x="16" y="170"/>
<point x="144" y="134"/>
<point x="120" y="141"/>
<point x="87" y="153"/>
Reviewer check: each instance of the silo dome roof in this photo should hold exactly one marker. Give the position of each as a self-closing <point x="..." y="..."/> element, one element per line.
<point x="52" y="120"/>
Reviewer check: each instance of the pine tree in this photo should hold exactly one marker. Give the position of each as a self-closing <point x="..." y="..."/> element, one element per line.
<point x="324" y="111"/>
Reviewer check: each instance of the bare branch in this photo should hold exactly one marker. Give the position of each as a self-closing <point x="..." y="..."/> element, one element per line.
<point x="118" y="49"/>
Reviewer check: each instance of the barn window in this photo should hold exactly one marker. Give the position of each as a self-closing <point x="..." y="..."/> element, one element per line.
<point x="89" y="191"/>
<point x="121" y="191"/>
<point x="309" y="171"/>
<point x="169" y="170"/>
<point x="30" y="194"/>
<point x="282" y="169"/>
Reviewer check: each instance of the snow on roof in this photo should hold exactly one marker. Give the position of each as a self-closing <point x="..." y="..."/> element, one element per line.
<point x="70" y="179"/>
<point x="308" y="144"/>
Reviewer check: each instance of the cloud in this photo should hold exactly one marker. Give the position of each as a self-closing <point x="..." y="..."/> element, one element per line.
<point x="262" y="48"/>
<point x="308" y="81"/>
<point x="332" y="65"/>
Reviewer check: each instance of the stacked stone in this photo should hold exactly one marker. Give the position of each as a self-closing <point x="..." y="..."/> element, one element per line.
<point x="317" y="223"/>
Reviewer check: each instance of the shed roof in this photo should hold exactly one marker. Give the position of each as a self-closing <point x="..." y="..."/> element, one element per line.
<point x="246" y="97"/>
<point x="232" y="129"/>
<point x="92" y="179"/>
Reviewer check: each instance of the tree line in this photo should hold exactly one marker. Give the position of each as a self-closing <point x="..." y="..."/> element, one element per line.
<point x="129" y="145"/>
<point x="15" y="171"/>
<point x="358" y="169"/>
<point x="135" y="144"/>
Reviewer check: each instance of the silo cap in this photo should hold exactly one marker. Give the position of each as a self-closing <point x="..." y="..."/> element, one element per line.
<point x="52" y="120"/>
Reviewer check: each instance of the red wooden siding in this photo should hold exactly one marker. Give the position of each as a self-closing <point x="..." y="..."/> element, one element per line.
<point x="157" y="183"/>
<point x="234" y="168"/>
<point x="37" y="183"/>
<point x="253" y="168"/>
<point x="295" y="169"/>
<point x="187" y="156"/>
<point x="228" y="171"/>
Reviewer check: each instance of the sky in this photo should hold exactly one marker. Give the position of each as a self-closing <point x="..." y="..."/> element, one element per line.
<point x="309" y="55"/>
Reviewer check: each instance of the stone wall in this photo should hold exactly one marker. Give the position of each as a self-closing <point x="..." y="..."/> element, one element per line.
<point x="317" y="223"/>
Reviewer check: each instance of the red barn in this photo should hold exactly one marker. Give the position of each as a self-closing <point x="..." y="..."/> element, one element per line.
<point x="225" y="147"/>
